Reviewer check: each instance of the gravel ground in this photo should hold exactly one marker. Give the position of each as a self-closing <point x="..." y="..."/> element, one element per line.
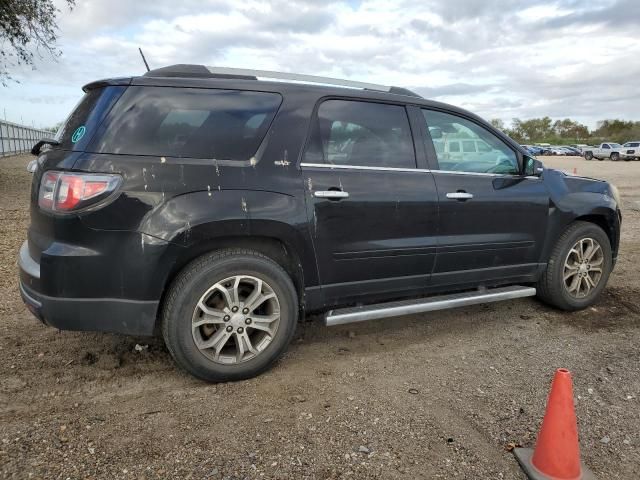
<point x="437" y="395"/>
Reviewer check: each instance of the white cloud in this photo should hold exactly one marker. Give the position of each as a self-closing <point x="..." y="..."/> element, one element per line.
<point x="499" y="58"/>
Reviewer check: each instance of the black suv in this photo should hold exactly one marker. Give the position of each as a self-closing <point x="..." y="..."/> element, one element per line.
<point x="216" y="208"/>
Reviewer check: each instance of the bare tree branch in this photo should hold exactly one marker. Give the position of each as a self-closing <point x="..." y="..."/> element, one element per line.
<point x="26" y="28"/>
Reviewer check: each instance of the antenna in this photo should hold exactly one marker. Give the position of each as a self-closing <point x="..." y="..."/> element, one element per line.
<point x="143" y="59"/>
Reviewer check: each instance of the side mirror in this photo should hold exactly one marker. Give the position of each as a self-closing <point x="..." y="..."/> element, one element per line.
<point x="533" y="167"/>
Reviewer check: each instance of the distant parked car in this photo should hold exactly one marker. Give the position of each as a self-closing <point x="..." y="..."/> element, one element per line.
<point x="573" y="151"/>
<point x="579" y="146"/>
<point x="555" y="150"/>
<point x="630" y="151"/>
<point x="545" y="147"/>
<point x="533" y="150"/>
<point x="605" y="150"/>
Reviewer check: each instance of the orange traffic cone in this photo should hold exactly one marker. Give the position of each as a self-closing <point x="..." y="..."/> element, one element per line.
<point x="557" y="454"/>
<point x="575" y="170"/>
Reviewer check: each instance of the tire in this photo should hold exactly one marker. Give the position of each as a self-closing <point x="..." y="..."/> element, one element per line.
<point x="202" y="283"/>
<point x="551" y="287"/>
<point x="615" y="157"/>
<point x="588" y="156"/>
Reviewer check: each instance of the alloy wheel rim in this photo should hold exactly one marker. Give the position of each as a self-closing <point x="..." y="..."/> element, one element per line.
<point x="236" y="319"/>
<point x="583" y="267"/>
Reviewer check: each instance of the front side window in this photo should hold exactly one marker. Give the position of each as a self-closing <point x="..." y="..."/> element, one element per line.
<point x="188" y="122"/>
<point x="360" y="133"/>
<point x="492" y="155"/>
<point x="469" y="146"/>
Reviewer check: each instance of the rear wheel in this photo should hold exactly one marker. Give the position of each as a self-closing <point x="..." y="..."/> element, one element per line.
<point x="229" y="315"/>
<point x="578" y="268"/>
<point x="615" y="157"/>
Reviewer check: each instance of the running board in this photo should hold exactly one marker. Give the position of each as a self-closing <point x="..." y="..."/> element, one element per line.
<point x="427" y="304"/>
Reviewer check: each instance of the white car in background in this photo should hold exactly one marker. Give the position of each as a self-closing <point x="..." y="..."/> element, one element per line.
<point x="560" y="151"/>
<point x="630" y="151"/>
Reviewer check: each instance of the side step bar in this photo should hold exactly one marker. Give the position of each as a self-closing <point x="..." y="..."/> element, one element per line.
<point x="427" y="304"/>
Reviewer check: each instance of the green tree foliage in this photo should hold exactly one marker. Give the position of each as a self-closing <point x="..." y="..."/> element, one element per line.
<point x="568" y="128"/>
<point x="497" y="123"/>
<point x="530" y="130"/>
<point x="27" y="28"/>
<point x="567" y="131"/>
<point x="617" y="130"/>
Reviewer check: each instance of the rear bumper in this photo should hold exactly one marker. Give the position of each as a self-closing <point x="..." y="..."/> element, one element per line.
<point x="132" y="317"/>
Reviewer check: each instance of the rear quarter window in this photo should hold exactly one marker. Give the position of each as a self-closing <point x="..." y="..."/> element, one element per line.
<point x="188" y="122"/>
<point x="80" y="126"/>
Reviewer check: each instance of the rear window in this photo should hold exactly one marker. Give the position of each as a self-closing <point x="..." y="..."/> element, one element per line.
<point x="76" y="131"/>
<point x="188" y="122"/>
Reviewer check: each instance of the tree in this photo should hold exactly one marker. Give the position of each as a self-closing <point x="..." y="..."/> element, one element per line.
<point x="617" y="130"/>
<point x="497" y="123"/>
<point x="568" y="128"/>
<point x="27" y="27"/>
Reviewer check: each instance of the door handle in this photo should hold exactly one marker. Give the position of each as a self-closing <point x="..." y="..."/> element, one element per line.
<point x="331" y="194"/>
<point x="460" y="195"/>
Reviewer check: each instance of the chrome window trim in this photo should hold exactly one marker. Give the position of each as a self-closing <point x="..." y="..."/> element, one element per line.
<point x="509" y="175"/>
<point x="459" y="172"/>
<point x="362" y="167"/>
<point x="421" y="170"/>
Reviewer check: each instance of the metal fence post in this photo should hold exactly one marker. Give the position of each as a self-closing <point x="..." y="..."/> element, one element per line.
<point x="1" y="141"/>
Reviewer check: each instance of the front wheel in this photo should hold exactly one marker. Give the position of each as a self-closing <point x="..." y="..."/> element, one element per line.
<point x="229" y="315"/>
<point x="615" y="157"/>
<point x="578" y="268"/>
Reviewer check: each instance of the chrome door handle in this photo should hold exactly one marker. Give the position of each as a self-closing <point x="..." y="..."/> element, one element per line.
<point x="460" y="195"/>
<point x="331" y="194"/>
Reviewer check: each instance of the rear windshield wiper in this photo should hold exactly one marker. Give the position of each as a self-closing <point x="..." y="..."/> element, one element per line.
<point x="45" y="141"/>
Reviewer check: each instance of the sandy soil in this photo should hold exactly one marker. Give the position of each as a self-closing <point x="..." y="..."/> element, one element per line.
<point x="437" y="395"/>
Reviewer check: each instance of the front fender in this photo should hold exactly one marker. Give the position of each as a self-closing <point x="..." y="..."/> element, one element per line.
<point x="573" y="198"/>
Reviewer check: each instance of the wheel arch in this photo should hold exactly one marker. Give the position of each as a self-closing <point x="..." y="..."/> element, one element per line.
<point x="605" y="223"/>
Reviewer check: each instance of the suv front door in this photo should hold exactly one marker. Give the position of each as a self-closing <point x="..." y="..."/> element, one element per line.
<point x="492" y="218"/>
<point x="372" y="212"/>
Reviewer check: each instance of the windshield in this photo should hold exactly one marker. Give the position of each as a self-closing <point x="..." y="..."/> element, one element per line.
<point x="76" y="131"/>
<point x="615" y="145"/>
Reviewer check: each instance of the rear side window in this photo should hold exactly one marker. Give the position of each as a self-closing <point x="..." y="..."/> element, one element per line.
<point x="189" y="122"/>
<point x="360" y="133"/>
<point x="76" y="131"/>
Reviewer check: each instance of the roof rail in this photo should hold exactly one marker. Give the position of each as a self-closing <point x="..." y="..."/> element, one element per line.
<point x="200" y="71"/>
<point x="296" y="77"/>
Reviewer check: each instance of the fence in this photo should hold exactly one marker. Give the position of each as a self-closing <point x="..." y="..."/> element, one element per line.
<point x="16" y="138"/>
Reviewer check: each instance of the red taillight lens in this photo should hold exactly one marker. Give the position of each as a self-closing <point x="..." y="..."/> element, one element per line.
<point x="65" y="192"/>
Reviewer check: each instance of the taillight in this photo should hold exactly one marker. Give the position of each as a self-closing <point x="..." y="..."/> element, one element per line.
<point x="65" y="192"/>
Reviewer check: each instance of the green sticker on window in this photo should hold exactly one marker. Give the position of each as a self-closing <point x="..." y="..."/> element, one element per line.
<point x="78" y="134"/>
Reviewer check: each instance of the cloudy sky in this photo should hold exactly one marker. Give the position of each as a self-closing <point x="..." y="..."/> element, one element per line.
<point x="498" y="58"/>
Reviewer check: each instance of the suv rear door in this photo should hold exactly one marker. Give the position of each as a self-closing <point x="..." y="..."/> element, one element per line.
<point x="372" y="212"/>
<point x="492" y="219"/>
